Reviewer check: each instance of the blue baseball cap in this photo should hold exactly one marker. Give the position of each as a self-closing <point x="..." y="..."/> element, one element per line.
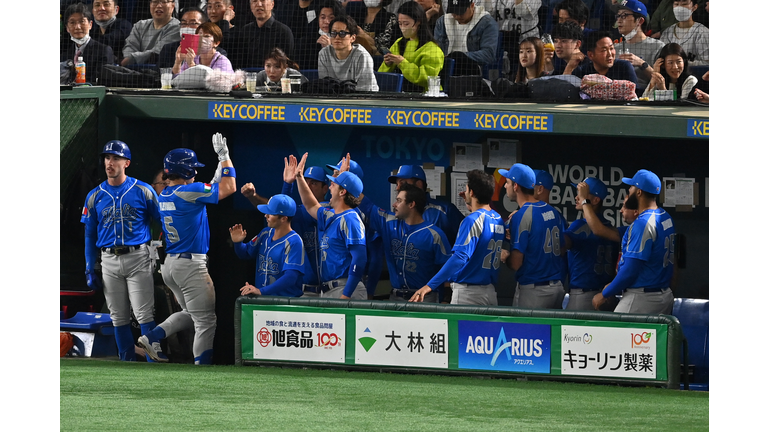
<point x="520" y="174"/>
<point x="645" y="181"/>
<point x="316" y="173"/>
<point x="281" y="205"/>
<point x="408" y="172"/>
<point x="596" y="187"/>
<point x="350" y="182"/>
<point x="631" y="5"/>
<point x="354" y="168"/>
<point x="544" y="178"/>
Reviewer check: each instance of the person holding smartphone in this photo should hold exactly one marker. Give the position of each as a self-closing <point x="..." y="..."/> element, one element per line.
<point x="415" y="55"/>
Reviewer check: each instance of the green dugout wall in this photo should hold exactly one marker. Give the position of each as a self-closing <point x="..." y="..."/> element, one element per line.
<point x="569" y="140"/>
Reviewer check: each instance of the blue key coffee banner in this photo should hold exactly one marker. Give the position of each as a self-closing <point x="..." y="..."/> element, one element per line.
<point x="381" y="116"/>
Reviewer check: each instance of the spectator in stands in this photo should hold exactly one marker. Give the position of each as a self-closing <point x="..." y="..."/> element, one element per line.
<point x="693" y="37"/>
<point x="469" y="35"/>
<point x="434" y="10"/>
<point x="631" y="21"/>
<point x="531" y="57"/>
<point x="277" y="66"/>
<point x="109" y="29"/>
<point x="191" y="19"/>
<point x="249" y="45"/>
<point x="302" y="18"/>
<point x="221" y="12"/>
<point x="574" y="11"/>
<point x="346" y="60"/>
<point x="149" y="36"/>
<point x="670" y="72"/>
<point x="207" y="55"/>
<point x="602" y="56"/>
<point x="567" y="38"/>
<point x="663" y="16"/>
<point x="329" y="10"/>
<point x="421" y="57"/>
<point x="78" y="22"/>
<point x="377" y="27"/>
<point x="517" y="20"/>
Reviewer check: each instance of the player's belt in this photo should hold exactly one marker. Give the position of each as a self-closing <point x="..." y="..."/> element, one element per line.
<point x="121" y="250"/>
<point x="654" y="289"/>
<point x="186" y="255"/>
<point x="405" y="294"/>
<point x="327" y="286"/>
<point x="317" y="289"/>
<point x="546" y="283"/>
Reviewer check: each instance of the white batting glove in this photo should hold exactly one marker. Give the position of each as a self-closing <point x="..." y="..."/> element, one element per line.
<point x="217" y="176"/>
<point x="220" y="147"/>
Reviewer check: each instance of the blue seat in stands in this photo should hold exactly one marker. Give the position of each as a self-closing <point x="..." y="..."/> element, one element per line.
<point x="311" y="74"/>
<point x="693" y="315"/>
<point x="389" y="81"/>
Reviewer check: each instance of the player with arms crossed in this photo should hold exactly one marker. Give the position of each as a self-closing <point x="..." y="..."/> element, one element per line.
<point x="117" y="215"/>
<point x="278" y="248"/>
<point x="415" y="249"/>
<point x="536" y="244"/>
<point x="647" y="260"/>
<point x="473" y="269"/>
<point x="341" y="233"/>
<point x="185" y="271"/>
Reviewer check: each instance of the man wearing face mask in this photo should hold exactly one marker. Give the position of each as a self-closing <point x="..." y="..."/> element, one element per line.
<point x="664" y="16"/>
<point x="108" y="29"/>
<point x="631" y="21"/>
<point x="692" y="36"/>
<point x="78" y="22"/>
<point x="647" y="258"/>
<point x="149" y="36"/>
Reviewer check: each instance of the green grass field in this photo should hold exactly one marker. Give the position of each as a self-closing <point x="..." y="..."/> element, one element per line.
<point x="107" y="395"/>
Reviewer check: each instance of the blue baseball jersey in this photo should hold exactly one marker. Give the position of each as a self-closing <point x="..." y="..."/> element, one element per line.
<point x="536" y="230"/>
<point x="591" y="259"/>
<point x="414" y="253"/>
<point x="120" y="215"/>
<point x="445" y="216"/>
<point x="479" y="240"/>
<point x="185" y="219"/>
<point x="336" y="232"/>
<point x="651" y="238"/>
<point x="274" y="258"/>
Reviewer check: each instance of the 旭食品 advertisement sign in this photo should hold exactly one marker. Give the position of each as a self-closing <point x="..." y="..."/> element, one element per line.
<point x="298" y="336"/>
<point x="609" y="352"/>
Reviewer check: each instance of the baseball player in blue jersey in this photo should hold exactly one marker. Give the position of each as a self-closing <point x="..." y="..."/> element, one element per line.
<point x="614" y="234"/>
<point x="117" y="215"/>
<point x="473" y="269"/>
<point x="278" y="249"/>
<point x="185" y="225"/>
<point x="415" y="249"/>
<point x="341" y="232"/>
<point x="445" y="215"/>
<point x="536" y="231"/>
<point x="648" y="253"/>
<point x="374" y="246"/>
<point x="591" y="259"/>
<point x="543" y="185"/>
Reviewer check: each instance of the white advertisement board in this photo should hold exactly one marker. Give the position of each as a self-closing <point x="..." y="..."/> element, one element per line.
<point x="609" y="352"/>
<point x="298" y="336"/>
<point x="394" y="341"/>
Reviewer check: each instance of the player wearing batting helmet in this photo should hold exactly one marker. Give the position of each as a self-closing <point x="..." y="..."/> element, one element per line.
<point x="185" y="225"/>
<point x="117" y="215"/>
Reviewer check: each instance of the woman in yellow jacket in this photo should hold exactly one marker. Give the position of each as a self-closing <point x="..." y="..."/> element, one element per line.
<point x="421" y="57"/>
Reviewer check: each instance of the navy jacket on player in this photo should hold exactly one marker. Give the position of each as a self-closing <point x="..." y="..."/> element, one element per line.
<point x="414" y="253"/>
<point x="280" y="263"/>
<point x="591" y="259"/>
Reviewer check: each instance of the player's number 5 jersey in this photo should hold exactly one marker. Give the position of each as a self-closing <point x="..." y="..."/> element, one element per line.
<point x="184" y="217"/>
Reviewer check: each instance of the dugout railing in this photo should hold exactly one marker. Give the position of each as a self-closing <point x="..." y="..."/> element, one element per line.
<point x="315" y="323"/>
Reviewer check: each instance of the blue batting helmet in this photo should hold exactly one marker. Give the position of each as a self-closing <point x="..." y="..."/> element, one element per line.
<point x="118" y="148"/>
<point x="181" y="162"/>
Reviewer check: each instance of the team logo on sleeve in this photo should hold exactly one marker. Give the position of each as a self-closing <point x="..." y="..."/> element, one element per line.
<point x="85" y="211"/>
<point x="207" y="187"/>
